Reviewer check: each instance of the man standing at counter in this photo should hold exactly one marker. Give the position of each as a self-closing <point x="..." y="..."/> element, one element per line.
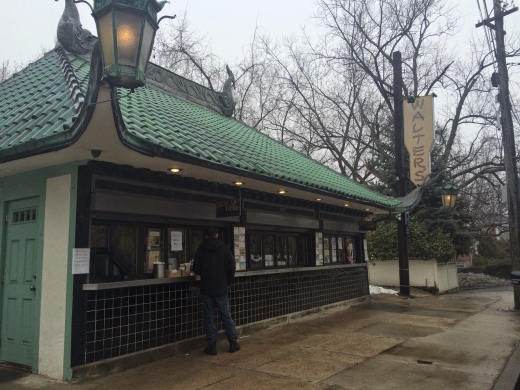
<point x="215" y="264"/>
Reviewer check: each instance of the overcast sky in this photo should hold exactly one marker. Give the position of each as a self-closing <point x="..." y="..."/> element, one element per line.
<point x="29" y="26"/>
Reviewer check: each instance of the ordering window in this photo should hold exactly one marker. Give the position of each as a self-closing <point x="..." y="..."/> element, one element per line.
<point x="182" y="245"/>
<point x="339" y="249"/>
<point x="114" y="251"/>
<point x="121" y="251"/>
<point x="277" y="250"/>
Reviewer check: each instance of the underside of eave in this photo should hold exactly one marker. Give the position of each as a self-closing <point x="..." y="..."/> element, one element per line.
<point x="150" y="149"/>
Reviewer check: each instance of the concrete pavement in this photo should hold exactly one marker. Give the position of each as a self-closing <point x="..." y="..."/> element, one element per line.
<point x="453" y="341"/>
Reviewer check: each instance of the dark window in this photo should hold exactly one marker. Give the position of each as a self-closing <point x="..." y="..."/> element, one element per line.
<point x="182" y="244"/>
<point x="281" y="251"/>
<point x="350" y="251"/>
<point x="291" y="251"/>
<point x="255" y="252"/>
<point x="304" y="250"/>
<point x="340" y="249"/>
<point x="277" y="250"/>
<point x="269" y="251"/>
<point x="138" y="246"/>
<point x="120" y="238"/>
<point x="27" y="215"/>
<point x="326" y="250"/>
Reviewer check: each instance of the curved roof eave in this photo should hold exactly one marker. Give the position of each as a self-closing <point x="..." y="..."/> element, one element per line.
<point x="84" y="107"/>
<point x="151" y="149"/>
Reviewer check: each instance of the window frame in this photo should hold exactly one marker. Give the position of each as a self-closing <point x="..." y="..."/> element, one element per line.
<point x="341" y="257"/>
<point x="141" y="271"/>
<point x="298" y="248"/>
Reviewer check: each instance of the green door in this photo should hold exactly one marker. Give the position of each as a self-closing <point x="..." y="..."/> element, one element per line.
<point x="19" y="283"/>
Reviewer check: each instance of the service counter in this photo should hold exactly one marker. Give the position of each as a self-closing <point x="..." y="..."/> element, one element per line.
<point x="130" y="316"/>
<point x="150" y="282"/>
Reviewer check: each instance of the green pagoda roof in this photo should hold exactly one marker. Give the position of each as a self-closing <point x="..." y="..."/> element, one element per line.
<point x="40" y="106"/>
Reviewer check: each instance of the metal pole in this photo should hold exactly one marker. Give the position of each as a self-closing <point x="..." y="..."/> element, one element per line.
<point x="402" y="239"/>
<point x="508" y="139"/>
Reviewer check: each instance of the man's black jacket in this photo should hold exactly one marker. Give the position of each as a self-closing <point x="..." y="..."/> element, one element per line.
<point x="215" y="265"/>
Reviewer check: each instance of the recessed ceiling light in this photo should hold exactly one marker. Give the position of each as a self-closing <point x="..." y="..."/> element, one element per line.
<point x="175" y="170"/>
<point x="238" y="182"/>
<point x="346" y="205"/>
<point x="281" y="192"/>
<point x="367" y="209"/>
<point x="318" y="199"/>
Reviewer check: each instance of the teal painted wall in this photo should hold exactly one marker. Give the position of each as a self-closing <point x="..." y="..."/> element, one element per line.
<point x="33" y="184"/>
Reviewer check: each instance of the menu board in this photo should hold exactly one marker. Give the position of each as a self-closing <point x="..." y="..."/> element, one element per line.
<point x="240" y="247"/>
<point x="319" y="248"/>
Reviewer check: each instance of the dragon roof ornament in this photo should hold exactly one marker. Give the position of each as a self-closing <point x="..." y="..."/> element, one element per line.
<point x="71" y="35"/>
<point x="179" y="86"/>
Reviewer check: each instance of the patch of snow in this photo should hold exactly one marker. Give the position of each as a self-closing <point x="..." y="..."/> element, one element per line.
<point x="375" y="290"/>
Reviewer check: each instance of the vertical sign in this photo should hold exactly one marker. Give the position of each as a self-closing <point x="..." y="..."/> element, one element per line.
<point x="319" y="248"/>
<point x="240" y="247"/>
<point x="419" y="136"/>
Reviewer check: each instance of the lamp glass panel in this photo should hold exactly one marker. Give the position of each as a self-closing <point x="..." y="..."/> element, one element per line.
<point x="106" y="38"/>
<point x="453" y="199"/>
<point x="445" y="200"/>
<point x="128" y="36"/>
<point x="148" y="37"/>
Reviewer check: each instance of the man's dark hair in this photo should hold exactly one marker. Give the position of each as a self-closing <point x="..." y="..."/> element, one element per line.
<point x="211" y="232"/>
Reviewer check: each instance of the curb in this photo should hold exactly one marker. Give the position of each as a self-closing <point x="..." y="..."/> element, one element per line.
<point x="509" y="379"/>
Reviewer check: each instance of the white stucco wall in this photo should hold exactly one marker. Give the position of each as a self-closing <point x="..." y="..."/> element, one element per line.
<point x="423" y="273"/>
<point x="54" y="276"/>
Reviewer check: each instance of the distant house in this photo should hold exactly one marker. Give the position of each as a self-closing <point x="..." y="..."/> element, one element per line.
<point x="464" y="261"/>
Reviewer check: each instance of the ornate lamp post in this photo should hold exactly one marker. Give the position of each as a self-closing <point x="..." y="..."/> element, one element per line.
<point x="449" y="195"/>
<point x="126" y="30"/>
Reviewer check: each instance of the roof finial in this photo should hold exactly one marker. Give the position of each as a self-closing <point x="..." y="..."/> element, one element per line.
<point x="71" y="35"/>
<point x="226" y="96"/>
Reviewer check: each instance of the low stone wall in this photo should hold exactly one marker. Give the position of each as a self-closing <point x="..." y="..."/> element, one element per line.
<point x="470" y="280"/>
<point x="423" y="273"/>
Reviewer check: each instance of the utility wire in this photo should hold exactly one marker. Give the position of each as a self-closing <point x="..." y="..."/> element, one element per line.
<point x="487" y="33"/>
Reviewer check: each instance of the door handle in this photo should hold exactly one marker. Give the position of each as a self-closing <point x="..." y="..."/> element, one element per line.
<point x="32" y="288"/>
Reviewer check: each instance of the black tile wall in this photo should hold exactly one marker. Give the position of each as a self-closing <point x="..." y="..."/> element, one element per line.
<point x="126" y="320"/>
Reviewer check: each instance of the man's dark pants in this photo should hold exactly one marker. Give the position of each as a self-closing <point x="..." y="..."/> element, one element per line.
<point x="221" y="302"/>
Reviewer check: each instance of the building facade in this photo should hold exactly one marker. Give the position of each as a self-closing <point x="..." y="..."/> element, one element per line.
<point x="133" y="179"/>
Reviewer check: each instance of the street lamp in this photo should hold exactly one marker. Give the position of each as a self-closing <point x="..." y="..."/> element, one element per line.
<point x="126" y="30"/>
<point x="449" y="194"/>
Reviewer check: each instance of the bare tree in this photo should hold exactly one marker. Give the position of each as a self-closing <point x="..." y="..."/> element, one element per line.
<point x="331" y="96"/>
<point x="366" y="33"/>
<point x="179" y="49"/>
<point x="7" y="69"/>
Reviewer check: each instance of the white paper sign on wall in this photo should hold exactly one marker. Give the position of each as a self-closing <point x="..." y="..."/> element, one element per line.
<point x="80" y="260"/>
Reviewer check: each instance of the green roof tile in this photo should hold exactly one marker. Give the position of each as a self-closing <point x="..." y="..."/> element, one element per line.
<point x="196" y="131"/>
<point x="36" y="103"/>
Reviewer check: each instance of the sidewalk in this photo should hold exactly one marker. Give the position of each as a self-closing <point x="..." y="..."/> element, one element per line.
<point x="454" y="341"/>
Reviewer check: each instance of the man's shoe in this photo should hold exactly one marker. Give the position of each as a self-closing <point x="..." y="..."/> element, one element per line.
<point x="211" y="349"/>
<point x="234" y="346"/>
